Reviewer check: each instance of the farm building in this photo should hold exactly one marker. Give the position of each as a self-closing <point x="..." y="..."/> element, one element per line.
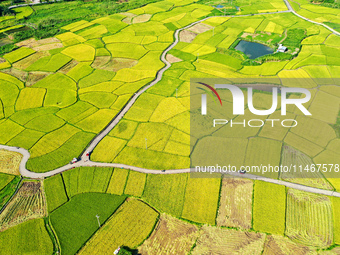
<point x="282" y="48"/>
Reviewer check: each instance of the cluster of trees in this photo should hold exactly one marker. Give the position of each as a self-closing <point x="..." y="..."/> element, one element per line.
<point x="4" y="10"/>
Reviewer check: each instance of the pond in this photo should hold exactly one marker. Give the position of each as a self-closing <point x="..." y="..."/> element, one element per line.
<point x="253" y="50"/>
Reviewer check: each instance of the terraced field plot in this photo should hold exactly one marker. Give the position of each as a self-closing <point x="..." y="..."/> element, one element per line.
<point x="29" y="203"/>
<point x="86" y="179"/>
<point x="129" y="226"/>
<point x="282" y="245"/>
<point x="309" y="218"/>
<point x="220" y="240"/>
<point x="295" y="157"/>
<point x="166" y="193"/>
<point x="201" y="199"/>
<point x="75" y="221"/>
<point x="9" y="184"/>
<point x="269" y="208"/>
<point x="55" y="192"/>
<point x="170" y="235"/>
<point x="235" y="203"/>
<point x="9" y="162"/>
<point x="31" y="237"/>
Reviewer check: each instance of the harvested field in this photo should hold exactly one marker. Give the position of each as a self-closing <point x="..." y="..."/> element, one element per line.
<point x="26" y="62"/>
<point x="66" y="68"/>
<point x="29" y="203"/>
<point x="220" y="241"/>
<point x="291" y="156"/>
<point x="10" y="162"/>
<point x="309" y="218"/>
<point x="28" y="43"/>
<point x="128" y="226"/>
<point x="235" y="203"/>
<point x="171" y="236"/>
<point x="172" y="58"/>
<point x="282" y="245"/>
<point x="31" y="43"/>
<point x="141" y="18"/>
<point x="21" y="75"/>
<point x="114" y="64"/>
<point x="50" y="46"/>
<point x="187" y="36"/>
<point x="200" y="28"/>
<point x="34" y="77"/>
<point x="48" y="41"/>
<point x="100" y="61"/>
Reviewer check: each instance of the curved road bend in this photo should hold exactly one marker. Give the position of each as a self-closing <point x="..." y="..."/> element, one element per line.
<point x="290" y="9"/>
<point x="86" y="162"/>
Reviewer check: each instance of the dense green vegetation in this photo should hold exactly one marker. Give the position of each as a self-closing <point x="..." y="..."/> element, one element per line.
<point x="75" y="222"/>
<point x="5" y="179"/>
<point x="8" y="191"/>
<point x="30" y="237"/>
<point x="51" y="17"/>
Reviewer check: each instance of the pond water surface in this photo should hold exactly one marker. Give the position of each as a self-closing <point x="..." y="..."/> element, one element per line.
<point x="253" y="50"/>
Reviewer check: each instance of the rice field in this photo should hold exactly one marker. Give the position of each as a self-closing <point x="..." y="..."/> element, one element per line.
<point x="309" y="218"/>
<point x="276" y="244"/>
<point x="86" y="179"/>
<point x="55" y="192"/>
<point x="118" y="181"/>
<point x="166" y="192"/>
<point x="213" y="240"/>
<point x="129" y="226"/>
<point x="170" y="235"/>
<point x="291" y="156"/>
<point x="269" y="208"/>
<point x="75" y="221"/>
<point x="201" y="200"/>
<point x="235" y="205"/>
<point x="31" y="237"/>
<point x="135" y="184"/>
<point x="10" y="162"/>
<point x="29" y="203"/>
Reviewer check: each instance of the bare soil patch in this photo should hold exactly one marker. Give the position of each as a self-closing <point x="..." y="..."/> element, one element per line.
<point x="50" y="46"/>
<point x="172" y="58"/>
<point x="187" y="36"/>
<point x="142" y="18"/>
<point x="200" y="28"/>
